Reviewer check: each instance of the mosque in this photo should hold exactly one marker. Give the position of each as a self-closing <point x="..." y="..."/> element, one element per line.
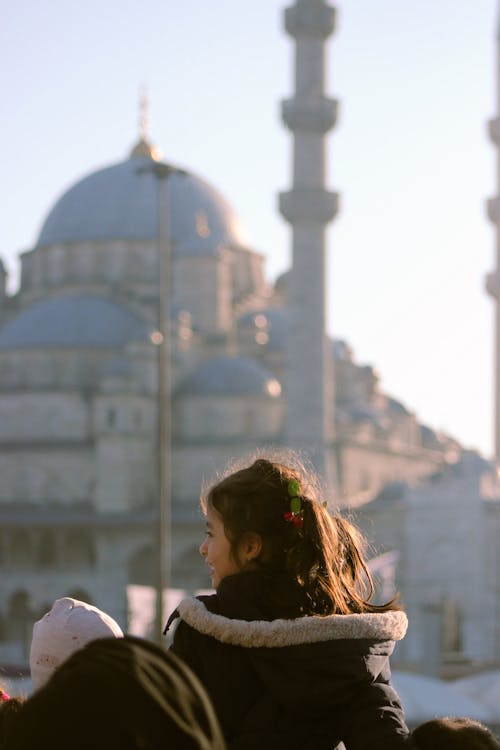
<point x="80" y="348"/>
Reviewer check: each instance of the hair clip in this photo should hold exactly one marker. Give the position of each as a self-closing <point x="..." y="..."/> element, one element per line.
<point x="296" y="513"/>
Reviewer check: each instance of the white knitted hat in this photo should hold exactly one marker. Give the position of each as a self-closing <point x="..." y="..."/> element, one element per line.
<point x="68" y="626"/>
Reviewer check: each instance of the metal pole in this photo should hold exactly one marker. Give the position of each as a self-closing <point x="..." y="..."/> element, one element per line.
<point x="162" y="173"/>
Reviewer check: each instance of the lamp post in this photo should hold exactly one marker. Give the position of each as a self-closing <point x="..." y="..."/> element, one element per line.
<point x="162" y="173"/>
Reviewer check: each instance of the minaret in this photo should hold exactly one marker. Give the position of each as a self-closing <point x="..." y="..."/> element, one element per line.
<point x="309" y="207"/>
<point x="493" y="279"/>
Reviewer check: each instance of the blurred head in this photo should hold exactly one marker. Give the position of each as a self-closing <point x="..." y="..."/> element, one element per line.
<point x="68" y="626"/>
<point x="9" y="711"/>
<point x="250" y="507"/>
<point x="119" y="693"/>
<point x="458" y="733"/>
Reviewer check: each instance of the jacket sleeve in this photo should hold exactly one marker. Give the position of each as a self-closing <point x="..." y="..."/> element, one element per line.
<point x="375" y="721"/>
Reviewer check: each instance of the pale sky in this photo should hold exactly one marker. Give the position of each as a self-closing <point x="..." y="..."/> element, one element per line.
<point x="410" y="156"/>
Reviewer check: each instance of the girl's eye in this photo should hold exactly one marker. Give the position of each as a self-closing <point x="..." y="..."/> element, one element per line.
<point x="208" y="533"/>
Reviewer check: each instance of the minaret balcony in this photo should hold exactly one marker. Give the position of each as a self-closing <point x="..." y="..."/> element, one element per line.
<point x="304" y="19"/>
<point x="493" y="209"/>
<point x="305" y="205"/>
<point x="494" y="130"/>
<point x="314" y="117"/>
<point x="492" y="284"/>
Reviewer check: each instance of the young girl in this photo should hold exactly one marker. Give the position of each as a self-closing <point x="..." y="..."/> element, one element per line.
<point x="290" y="649"/>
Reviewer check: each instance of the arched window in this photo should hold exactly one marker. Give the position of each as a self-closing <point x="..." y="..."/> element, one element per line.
<point x="142" y="567"/>
<point x="79" y="550"/>
<point x="47" y="553"/>
<point x="42" y="610"/>
<point x="451" y="626"/>
<point x="20" y="617"/>
<point x="20" y="549"/>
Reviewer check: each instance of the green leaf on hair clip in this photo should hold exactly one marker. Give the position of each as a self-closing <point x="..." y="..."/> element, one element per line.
<point x="293" y="488"/>
<point x="295" y="504"/>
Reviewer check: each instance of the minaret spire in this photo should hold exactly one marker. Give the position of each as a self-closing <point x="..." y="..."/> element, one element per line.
<point x="143" y="113"/>
<point x="493" y="279"/>
<point x="309" y="207"/>
<point x="144" y="147"/>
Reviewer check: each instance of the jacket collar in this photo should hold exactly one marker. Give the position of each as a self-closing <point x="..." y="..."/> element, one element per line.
<point x="381" y="626"/>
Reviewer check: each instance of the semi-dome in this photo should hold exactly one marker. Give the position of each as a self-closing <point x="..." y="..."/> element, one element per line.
<point x="230" y="376"/>
<point x="73" y="321"/>
<point x="120" y="202"/>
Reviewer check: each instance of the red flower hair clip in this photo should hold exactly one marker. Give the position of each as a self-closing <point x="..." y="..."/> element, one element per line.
<point x="296" y="513"/>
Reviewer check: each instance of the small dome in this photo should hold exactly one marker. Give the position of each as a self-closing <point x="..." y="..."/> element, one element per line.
<point x="230" y="376"/>
<point x="120" y="202"/>
<point x="73" y="321"/>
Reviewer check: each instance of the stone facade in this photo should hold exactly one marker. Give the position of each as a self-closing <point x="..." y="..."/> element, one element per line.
<point x="78" y="404"/>
<point x="250" y="365"/>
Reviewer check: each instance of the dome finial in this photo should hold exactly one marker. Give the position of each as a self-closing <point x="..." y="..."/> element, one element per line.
<point x="143" y="147"/>
<point x="143" y="113"/>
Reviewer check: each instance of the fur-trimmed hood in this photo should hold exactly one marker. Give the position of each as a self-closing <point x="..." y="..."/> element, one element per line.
<point x="283" y="679"/>
<point x="383" y="626"/>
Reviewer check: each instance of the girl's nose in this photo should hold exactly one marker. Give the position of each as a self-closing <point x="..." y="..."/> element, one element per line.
<point x="203" y="548"/>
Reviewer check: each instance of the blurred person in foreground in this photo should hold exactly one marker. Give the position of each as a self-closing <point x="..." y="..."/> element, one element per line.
<point x="9" y="709"/>
<point x="454" y="733"/>
<point x="123" y="694"/>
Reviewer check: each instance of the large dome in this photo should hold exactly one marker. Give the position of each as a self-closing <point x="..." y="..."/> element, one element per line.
<point x="73" y="321"/>
<point x="120" y="202"/>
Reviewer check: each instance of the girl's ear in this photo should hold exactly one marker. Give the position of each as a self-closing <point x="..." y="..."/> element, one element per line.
<point x="251" y="546"/>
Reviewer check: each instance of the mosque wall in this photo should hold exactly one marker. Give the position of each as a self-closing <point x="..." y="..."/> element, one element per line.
<point x="248" y="274"/>
<point x="125" y="476"/>
<point x="124" y="412"/>
<point x="41" y="370"/>
<point x="444" y="540"/>
<point x="367" y="465"/>
<point x="99" y="265"/>
<point x="52" y="416"/>
<point x="78" y="414"/>
<point x="212" y="418"/>
<point x="491" y="552"/>
<point x="203" y="287"/>
<point x="197" y="464"/>
<point x="38" y="473"/>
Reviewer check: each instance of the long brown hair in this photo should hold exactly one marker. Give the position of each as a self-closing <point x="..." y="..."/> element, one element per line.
<point x="325" y="554"/>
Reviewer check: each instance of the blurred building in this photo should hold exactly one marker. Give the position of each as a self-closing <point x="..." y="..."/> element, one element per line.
<point x="78" y="389"/>
<point x="79" y="381"/>
<point x="445" y="528"/>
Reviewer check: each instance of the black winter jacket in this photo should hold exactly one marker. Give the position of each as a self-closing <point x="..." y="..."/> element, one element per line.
<point x="283" y="681"/>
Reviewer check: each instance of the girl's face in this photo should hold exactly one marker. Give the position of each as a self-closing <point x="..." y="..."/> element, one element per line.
<point x="216" y="549"/>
